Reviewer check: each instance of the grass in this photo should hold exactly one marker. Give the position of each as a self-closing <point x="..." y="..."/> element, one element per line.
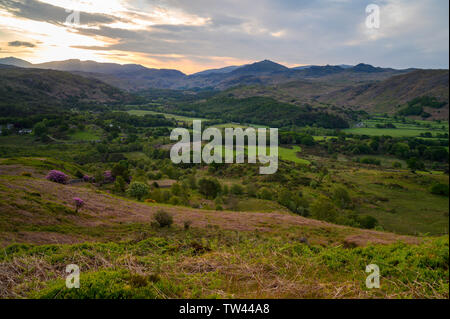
<point x="392" y="198"/>
<point x="167" y="115"/>
<point x="399" y="132"/>
<point x="407" y="129"/>
<point x="224" y="254"/>
<point x="85" y="136"/>
<point x="172" y="263"/>
<point x="235" y="125"/>
<point x="288" y="154"/>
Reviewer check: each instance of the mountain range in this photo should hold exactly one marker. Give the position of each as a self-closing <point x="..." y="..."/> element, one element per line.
<point x="134" y="77"/>
<point x="359" y="87"/>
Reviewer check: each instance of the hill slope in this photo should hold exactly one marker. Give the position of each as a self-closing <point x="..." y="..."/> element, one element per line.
<point x="223" y="254"/>
<point x="26" y="91"/>
<point x="384" y="96"/>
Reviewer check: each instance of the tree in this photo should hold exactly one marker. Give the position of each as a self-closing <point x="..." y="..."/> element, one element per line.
<point x="415" y="164"/>
<point x="440" y="189"/>
<point x="40" y="129"/>
<point x="138" y="190"/>
<point x="210" y="187"/>
<point x="119" y="184"/>
<point x="121" y="169"/>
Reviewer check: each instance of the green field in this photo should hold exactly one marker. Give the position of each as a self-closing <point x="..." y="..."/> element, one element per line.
<point x="385" y="131"/>
<point x="167" y="115"/>
<point x="85" y="136"/>
<point x="407" y="129"/>
<point x="235" y="125"/>
<point x="290" y="154"/>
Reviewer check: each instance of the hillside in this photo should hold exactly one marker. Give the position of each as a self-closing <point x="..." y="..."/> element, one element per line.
<point x="221" y="254"/>
<point x="387" y="95"/>
<point x="26" y="91"/>
<point x="262" y="111"/>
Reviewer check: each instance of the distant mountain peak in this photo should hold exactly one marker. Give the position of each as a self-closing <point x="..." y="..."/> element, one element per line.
<point x="363" y="67"/>
<point x="15" y="62"/>
<point x="265" y="66"/>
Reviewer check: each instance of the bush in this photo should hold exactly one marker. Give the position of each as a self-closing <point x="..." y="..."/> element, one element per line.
<point x="251" y="190"/>
<point x="415" y="164"/>
<point x="210" y="187"/>
<point x="323" y="209"/>
<point x="78" y="203"/>
<point x="341" y="197"/>
<point x="187" y="224"/>
<point x="108" y="177"/>
<point x="371" y="161"/>
<point x="163" y="219"/>
<point x="111" y="284"/>
<point x="119" y="184"/>
<point x="138" y="190"/>
<point x="79" y="174"/>
<point x="237" y="189"/>
<point x="265" y="193"/>
<point x="368" y="222"/>
<point x="397" y="165"/>
<point x="440" y="189"/>
<point x="57" y="177"/>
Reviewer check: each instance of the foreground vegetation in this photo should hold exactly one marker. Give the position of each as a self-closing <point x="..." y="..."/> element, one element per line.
<point x="98" y="189"/>
<point x="196" y="263"/>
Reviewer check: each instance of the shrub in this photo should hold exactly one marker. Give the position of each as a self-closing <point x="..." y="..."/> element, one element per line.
<point x="79" y="174"/>
<point x="98" y="177"/>
<point x="138" y="190"/>
<point x="210" y="187"/>
<point x="163" y="218"/>
<point x="371" y="161"/>
<point x="57" y="177"/>
<point x="415" y="164"/>
<point x="440" y="189"/>
<point x="251" y="190"/>
<point x="108" y="177"/>
<point x="323" y="209"/>
<point x="397" y="165"/>
<point x="119" y="184"/>
<point x="265" y="193"/>
<point x="111" y="284"/>
<point x="187" y="224"/>
<point x="341" y="197"/>
<point x="368" y="222"/>
<point x="237" y="189"/>
<point x="78" y="203"/>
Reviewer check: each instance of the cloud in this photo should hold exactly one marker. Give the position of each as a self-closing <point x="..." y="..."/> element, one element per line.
<point x="413" y="33"/>
<point x="21" y="44"/>
<point x="40" y="11"/>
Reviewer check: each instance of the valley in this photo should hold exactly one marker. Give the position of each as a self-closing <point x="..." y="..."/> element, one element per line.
<point x="86" y="178"/>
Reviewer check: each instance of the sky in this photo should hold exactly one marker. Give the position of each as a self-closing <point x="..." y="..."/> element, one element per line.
<point x="194" y="35"/>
